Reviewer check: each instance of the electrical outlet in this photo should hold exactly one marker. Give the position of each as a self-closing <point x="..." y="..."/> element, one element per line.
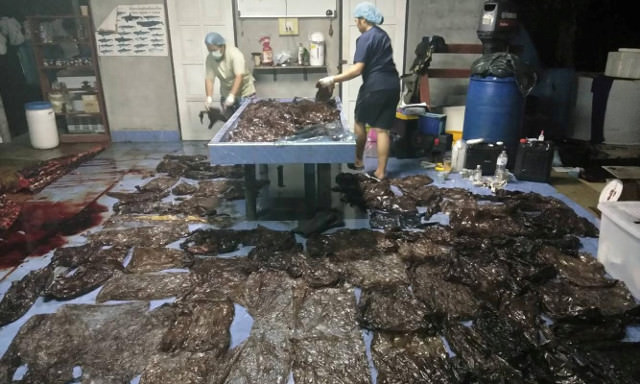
<point x="288" y="26"/>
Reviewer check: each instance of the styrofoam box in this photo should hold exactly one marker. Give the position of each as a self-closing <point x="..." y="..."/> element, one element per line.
<point x="619" y="244"/>
<point x="624" y="63"/>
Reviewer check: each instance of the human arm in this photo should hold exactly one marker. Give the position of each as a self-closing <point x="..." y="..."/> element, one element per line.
<point x="208" y="85"/>
<point x="239" y="68"/>
<point x="235" y="90"/>
<point x="353" y="72"/>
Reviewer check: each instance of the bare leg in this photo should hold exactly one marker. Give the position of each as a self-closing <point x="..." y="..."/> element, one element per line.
<point x="383" y="143"/>
<point x="361" y="140"/>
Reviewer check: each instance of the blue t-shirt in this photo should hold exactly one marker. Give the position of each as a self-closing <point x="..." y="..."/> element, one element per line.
<point x="373" y="48"/>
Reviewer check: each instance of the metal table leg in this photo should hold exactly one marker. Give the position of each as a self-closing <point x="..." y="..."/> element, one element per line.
<point x="250" y="191"/>
<point x="310" y="187"/>
<point x="324" y="186"/>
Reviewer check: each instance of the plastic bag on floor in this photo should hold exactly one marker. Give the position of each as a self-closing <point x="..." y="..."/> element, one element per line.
<point x="393" y="309"/>
<point x="411" y="359"/>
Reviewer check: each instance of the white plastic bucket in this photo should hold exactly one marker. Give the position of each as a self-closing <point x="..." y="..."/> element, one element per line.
<point x="316" y="49"/>
<point x="43" y="131"/>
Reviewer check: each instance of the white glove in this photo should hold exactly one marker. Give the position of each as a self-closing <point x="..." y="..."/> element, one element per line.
<point x="326" y="82"/>
<point x="208" y="103"/>
<point x="229" y="101"/>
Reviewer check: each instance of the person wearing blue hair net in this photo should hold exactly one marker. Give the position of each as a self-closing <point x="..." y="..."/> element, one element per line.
<point x="227" y="64"/>
<point x="380" y="91"/>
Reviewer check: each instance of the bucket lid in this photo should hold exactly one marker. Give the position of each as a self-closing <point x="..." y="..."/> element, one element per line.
<point x="611" y="191"/>
<point x="493" y="79"/>
<point x="34" y="105"/>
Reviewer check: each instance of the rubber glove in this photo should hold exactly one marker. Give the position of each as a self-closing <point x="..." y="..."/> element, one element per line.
<point x="208" y="103"/>
<point x="229" y="101"/>
<point x="325" y="82"/>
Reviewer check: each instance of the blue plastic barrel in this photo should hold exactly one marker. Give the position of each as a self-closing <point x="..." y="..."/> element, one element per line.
<point x="494" y="110"/>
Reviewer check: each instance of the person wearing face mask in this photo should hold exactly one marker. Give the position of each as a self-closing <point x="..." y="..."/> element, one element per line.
<point x="380" y="91"/>
<point x="228" y="65"/>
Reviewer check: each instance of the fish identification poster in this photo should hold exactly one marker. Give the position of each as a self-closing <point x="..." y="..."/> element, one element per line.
<point x="133" y="30"/>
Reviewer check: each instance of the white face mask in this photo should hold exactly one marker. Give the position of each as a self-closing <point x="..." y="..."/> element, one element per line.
<point x="216" y="55"/>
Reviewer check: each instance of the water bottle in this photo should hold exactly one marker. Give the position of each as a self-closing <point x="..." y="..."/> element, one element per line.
<point x="477" y="175"/>
<point x="501" y="166"/>
<point x="458" y="155"/>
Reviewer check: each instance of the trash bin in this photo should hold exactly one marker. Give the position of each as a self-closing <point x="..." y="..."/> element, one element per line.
<point x="43" y="131"/>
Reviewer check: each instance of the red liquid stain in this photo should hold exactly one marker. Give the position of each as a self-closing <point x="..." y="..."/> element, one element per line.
<point x="42" y="226"/>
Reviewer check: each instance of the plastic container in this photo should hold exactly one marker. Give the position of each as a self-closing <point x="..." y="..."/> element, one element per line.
<point x="316" y="49"/>
<point x="267" y="52"/>
<point x="620" y="190"/>
<point x="43" y="131"/>
<point x="501" y="166"/>
<point x="455" y="121"/>
<point x="57" y="100"/>
<point x="619" y="244"/>
<point x="458" y="155"/>
<point x="494" y="111"/>
<point x="534" y="160"/>
<point x="432" y="123"/>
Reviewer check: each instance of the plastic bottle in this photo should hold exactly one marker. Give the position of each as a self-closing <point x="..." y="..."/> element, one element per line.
<point x="501" y="166"/>
<point x="477" y="175"/>
<point x="267" y="52"/>
<point x="458" y="155"/>
<point x="436" y="153"/>
<point x="541" y="136"/>
<point x="300" y="54"/>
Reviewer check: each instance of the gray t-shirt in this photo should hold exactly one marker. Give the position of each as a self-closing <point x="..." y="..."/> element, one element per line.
<point x="225" y="70"/>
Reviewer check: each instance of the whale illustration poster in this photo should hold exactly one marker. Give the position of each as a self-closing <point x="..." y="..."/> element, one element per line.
<point x="133" y="30"/>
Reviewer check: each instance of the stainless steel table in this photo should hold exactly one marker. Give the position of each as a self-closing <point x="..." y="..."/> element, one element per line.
<point x="317" y="156"/>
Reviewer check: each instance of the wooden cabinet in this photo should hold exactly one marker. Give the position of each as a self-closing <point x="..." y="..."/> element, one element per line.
<point x="65" y="53"/>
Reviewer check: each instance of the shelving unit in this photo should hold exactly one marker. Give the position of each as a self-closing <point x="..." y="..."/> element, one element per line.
<point x="72" y="84"/>
<point x="275" y="69"/>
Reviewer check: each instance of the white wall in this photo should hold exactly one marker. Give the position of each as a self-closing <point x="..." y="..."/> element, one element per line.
<point x="456" y="22"/>
<point x="248" y="31"/>
<point x="139" y="91"/>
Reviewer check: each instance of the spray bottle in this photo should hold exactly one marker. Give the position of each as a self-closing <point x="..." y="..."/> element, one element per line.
<point x="267" y="52"/>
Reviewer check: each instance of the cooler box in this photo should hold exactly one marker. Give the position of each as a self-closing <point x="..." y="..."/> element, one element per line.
<point x="432" y="124"/>
<point x="619" y="244"/>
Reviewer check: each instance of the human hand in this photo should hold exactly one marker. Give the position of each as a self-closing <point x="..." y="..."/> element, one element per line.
<point x="208" y="103"/>
<point x="325" y="82"/>
<point x="229" y="101"/>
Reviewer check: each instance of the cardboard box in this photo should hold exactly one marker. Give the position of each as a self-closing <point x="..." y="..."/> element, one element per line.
<point x="90" y="103"/>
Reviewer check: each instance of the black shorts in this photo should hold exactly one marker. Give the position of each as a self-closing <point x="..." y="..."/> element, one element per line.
<point x="377" y="108"/>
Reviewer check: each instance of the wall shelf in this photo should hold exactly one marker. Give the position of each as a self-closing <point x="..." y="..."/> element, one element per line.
<point x="68" y="122"/>
<point x="68" y="67"/>
<point x="275" y="69"/>
<point x="78" y="113"/>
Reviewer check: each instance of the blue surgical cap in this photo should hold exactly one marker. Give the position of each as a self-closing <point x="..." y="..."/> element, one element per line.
<point x="214" y="38"/>
<point x="368" y="12"/>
